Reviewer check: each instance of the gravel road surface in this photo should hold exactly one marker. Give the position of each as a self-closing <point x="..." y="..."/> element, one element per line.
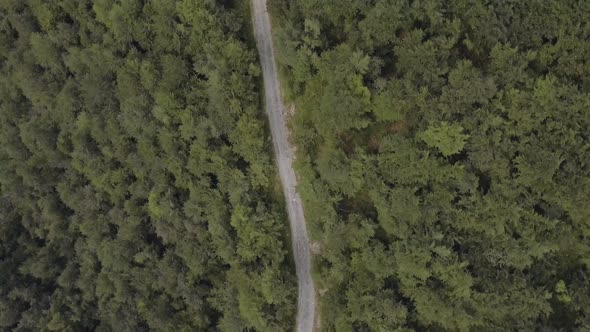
<point x="284" y="154"/>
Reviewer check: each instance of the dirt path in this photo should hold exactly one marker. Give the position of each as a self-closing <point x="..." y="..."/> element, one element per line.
<point x="284" y="154"/>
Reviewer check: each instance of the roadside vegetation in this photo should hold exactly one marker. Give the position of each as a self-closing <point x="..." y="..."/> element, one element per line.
<point x="137" y="189"/>
<point x="445" y="160"/>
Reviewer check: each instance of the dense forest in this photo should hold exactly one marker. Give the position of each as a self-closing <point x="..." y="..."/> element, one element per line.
<point x="444" y="152"/>
<point x="137" y="189"/>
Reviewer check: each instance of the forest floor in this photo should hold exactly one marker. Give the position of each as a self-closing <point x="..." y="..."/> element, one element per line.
<point x="285" y="154"/>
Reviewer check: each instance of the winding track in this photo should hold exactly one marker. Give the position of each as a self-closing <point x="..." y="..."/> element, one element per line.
<point x="284" y="154"/>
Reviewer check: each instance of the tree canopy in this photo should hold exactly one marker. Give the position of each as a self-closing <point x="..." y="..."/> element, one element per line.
<point x="137" y="191"/>
<point x="444" y="155"/>
<point x="443" y="151"/>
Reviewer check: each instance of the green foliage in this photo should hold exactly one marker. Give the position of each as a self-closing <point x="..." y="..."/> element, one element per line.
<point x="443" y="160"/>
<point x="136" y="183"/>
<point x="448" y="139"/>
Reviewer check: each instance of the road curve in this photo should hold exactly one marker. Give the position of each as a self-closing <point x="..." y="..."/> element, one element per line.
<point x="284" y="155"/>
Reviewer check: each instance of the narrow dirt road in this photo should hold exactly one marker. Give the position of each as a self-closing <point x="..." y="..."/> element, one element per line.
<point x="284" y="154"/>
